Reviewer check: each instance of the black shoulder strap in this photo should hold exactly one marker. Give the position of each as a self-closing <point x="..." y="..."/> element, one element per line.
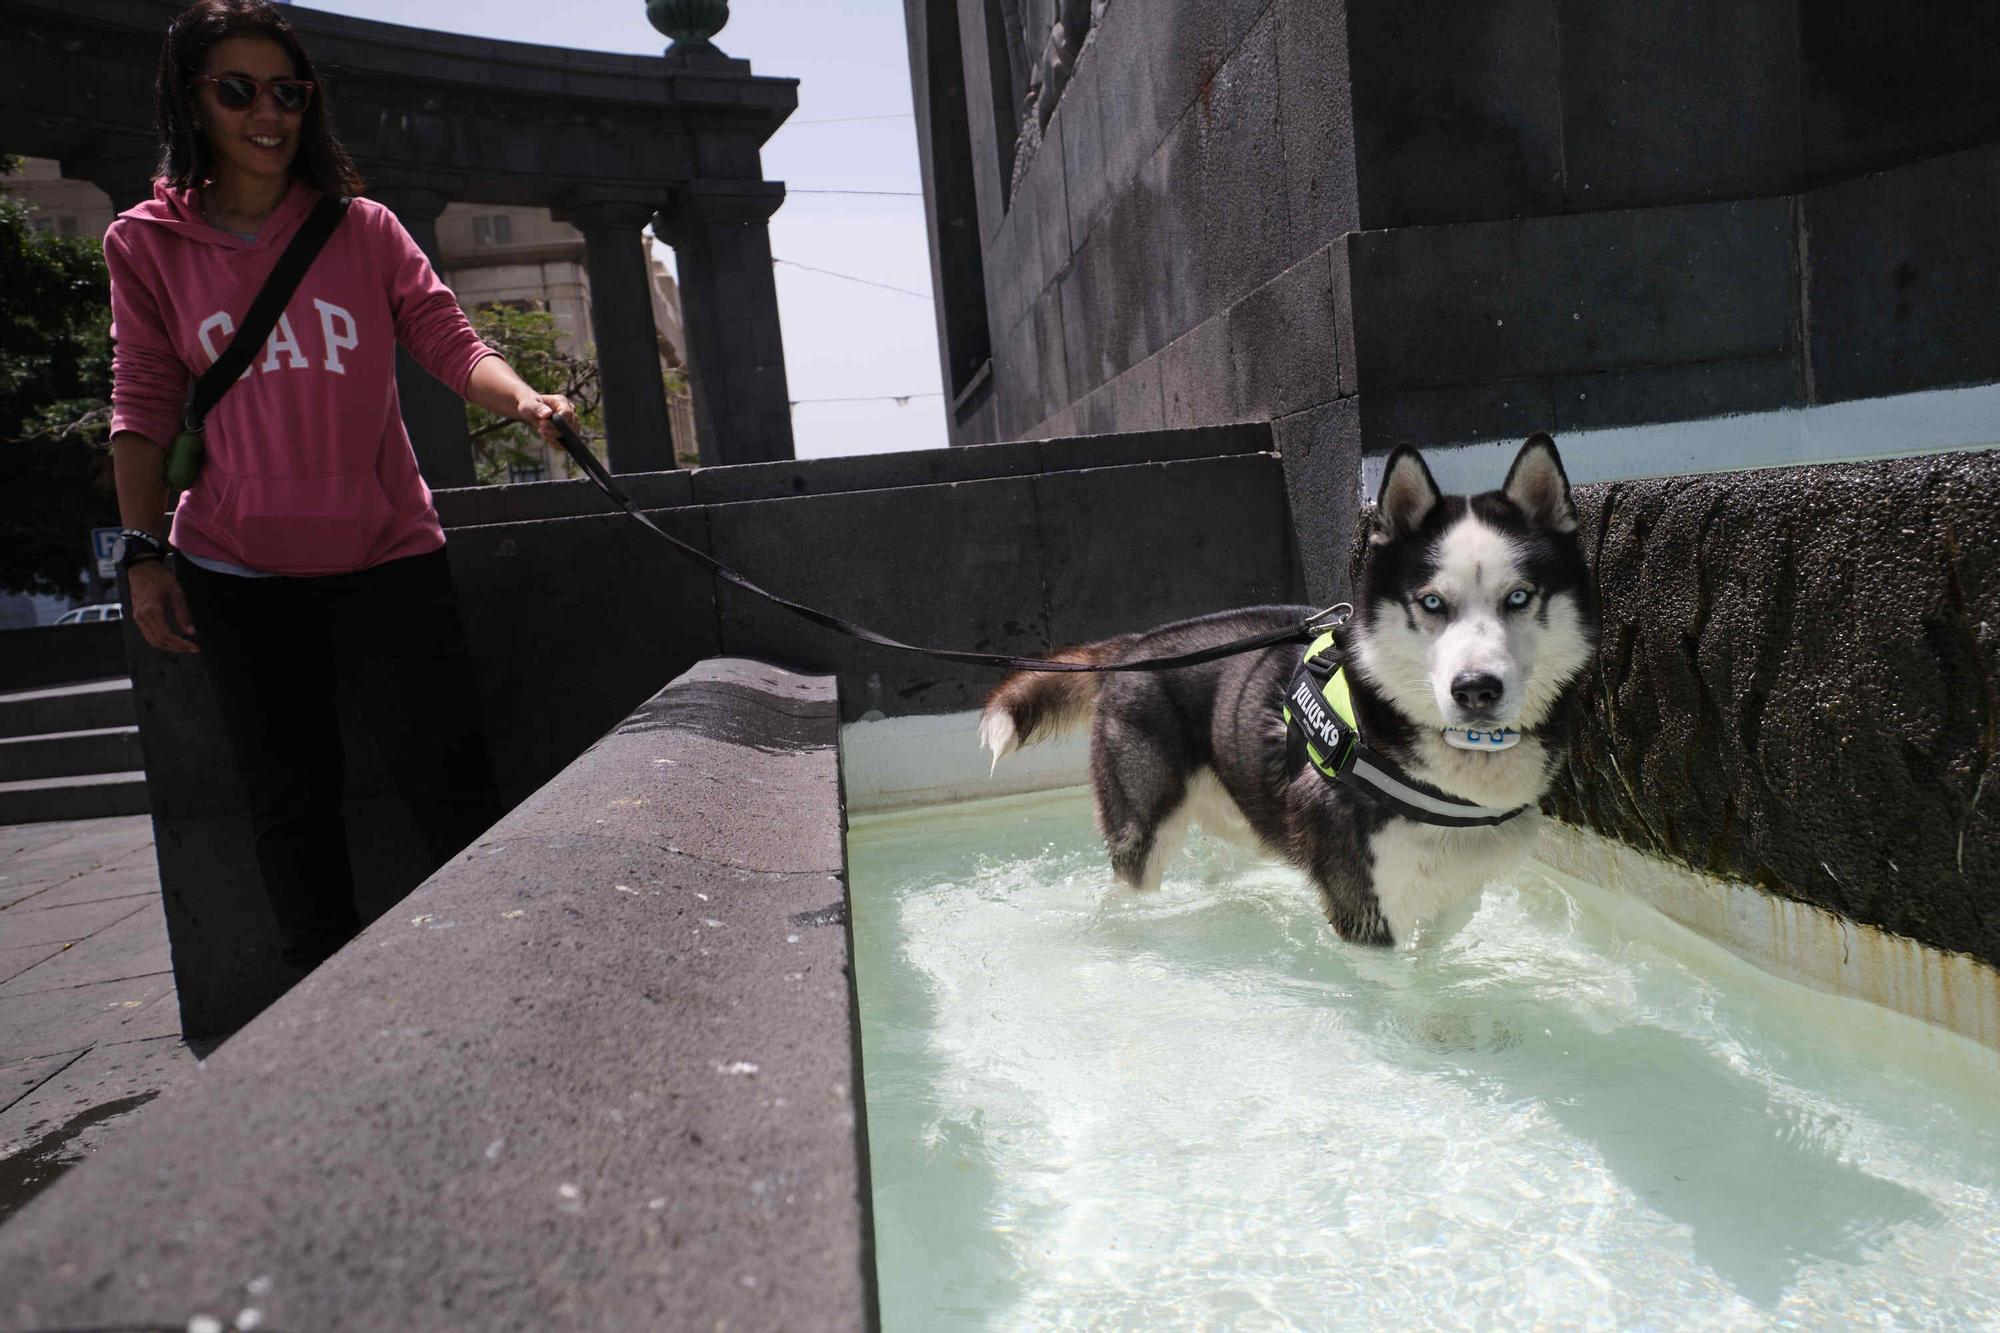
<point x="276" y="293"/>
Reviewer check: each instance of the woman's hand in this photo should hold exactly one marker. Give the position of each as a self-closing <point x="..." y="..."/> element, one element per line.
<point x="495" y="387"/>
<point x="537" y="409"/>
<point x="160" y="607"/>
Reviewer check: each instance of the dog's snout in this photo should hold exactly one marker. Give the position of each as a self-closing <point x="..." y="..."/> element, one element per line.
<point x="1476" y="691"/>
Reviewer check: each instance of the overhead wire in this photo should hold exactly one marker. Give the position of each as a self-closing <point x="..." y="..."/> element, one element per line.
<point x="849" y="277"/>
<point x="848" y="120"/>
<point x="899" y="399"/>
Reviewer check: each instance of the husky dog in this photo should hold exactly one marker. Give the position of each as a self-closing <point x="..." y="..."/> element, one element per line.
<point x="1475" y="616"/>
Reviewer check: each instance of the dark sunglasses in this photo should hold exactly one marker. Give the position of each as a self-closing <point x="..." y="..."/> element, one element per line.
<point x="239" y="92"/>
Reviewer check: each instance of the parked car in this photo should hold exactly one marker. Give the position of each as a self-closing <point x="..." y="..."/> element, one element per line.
<point x="90" y="615"/>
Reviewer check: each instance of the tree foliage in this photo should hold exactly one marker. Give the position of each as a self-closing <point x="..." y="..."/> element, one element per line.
<point x="531" y="342"/>
<point x="55" y="414"/>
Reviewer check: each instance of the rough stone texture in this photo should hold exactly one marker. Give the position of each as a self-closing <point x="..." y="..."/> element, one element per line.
<point x="1316" y="115"/>
<point x="483" y="506"/>
<point x="1674" y="393"/>
<point x="80" y="1101"/>
<point x="1903" y="278"/>
<point x="46" y="655"/>
<point x="1284" y="352"/>
<point x="1796" y="686"/>
<point x="1457" y="111"/>
<point x="1321" y="451"/>
<point x="477" y="506"/>
<point x="1131" y="400"/>
<point x="568" y="637"/>
<point x="1196" y="537"/>
<point x="952" y="566"/>
<point x="1079" y="121"/>
<point x="1173" y="445"/>
<point x="597" y="1072"/>
<point x="134" y="945"/>
<point x="1195" y="380"/>
<point x="1890" y="84"/>
<point x="1502" y="409"/>
<point x="863" y="472"/>
<point x="1177" y="163"/>
<point x="1724" y="125"/>
<point x="1564" y="295"/>
<point x="1012" y="565"/>
<point x="1542" y="214"/>
<point x="88" y="706"/>
<point x="1225" y="169"/>
<point x="1107" y="293"/>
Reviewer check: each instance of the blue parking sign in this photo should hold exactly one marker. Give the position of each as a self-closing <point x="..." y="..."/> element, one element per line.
<point x="104" y="549"/>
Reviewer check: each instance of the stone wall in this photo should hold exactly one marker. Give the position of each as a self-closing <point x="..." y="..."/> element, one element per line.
<point x="1475" y="221"/>
<point x="45" y="655"/>
<point x="1799" y="687"/>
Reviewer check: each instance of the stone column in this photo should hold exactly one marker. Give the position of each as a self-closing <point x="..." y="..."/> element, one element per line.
<point x="637" y="431"/>
<point x="434" y="414"/>
<point x="729" y="314"/>
<point x="126" y="176"/>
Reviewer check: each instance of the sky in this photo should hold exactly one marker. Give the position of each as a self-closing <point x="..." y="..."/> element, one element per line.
<point x="843" y="339"/>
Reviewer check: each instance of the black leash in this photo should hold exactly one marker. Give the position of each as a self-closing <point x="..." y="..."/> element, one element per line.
<point x="1303" y="632"/>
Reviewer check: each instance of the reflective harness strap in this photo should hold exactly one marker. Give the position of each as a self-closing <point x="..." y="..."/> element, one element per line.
<point x="1319" y="717"/>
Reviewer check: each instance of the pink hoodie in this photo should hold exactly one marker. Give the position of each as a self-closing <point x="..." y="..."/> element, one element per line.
<point x="309" y="470"/>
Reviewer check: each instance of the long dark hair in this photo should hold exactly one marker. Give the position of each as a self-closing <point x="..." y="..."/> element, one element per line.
<point x="186" y="160"/>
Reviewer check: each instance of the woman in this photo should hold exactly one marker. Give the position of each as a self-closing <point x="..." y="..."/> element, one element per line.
<point x="306" y="554"/>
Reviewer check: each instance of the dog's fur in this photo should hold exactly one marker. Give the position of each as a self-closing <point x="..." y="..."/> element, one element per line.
<point x="1208" y="743"/>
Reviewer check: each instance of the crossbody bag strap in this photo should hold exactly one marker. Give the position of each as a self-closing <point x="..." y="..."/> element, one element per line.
<point x="272" y="298"/>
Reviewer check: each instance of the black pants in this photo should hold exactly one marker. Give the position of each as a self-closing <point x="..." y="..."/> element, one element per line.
<point x="276" y="650"/>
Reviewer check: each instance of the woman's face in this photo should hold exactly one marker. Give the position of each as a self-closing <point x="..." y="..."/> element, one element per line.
<point x="263" y="138"/>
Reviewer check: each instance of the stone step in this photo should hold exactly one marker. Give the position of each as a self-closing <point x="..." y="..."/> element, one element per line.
<point x="68" y="754"/>
<point x="91" y="796"/>
<point x="86" y="707"/>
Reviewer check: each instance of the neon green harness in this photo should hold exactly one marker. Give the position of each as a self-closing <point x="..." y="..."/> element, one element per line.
<point x="1319" y="716"/>
<point x="1332" y="685"/>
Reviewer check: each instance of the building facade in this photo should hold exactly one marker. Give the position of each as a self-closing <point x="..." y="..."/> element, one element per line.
<point x="1439" y="225"/>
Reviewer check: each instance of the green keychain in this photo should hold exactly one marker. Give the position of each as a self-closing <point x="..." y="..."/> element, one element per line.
<point x="184" y="459"/>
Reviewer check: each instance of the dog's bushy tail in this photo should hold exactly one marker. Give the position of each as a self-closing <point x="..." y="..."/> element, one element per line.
<point x="1029" y="706"/>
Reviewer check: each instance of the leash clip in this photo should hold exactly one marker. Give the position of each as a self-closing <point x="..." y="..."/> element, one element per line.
<point x="1333" y="617"/>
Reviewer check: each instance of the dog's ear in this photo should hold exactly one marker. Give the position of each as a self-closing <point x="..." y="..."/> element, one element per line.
<point x="1408" y="495"/>
<point x="1539" y="486"/>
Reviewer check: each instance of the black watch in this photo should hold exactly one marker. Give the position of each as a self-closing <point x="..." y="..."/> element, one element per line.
<point x="139" y="546"/>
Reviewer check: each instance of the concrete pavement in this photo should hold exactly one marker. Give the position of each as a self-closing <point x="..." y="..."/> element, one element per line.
<point x="90" y="1027"/>
<point x="599" y="1071"/>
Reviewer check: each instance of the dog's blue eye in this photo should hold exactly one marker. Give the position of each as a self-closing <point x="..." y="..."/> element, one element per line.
<point x="1430" y="601"/>
<point x="1518" y="598"/>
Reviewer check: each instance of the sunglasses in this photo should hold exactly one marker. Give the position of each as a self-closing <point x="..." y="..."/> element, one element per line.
<point x="239" y="92"/>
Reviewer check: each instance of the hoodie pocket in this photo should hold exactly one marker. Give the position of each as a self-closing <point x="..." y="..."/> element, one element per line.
<point x="307" y="525"/>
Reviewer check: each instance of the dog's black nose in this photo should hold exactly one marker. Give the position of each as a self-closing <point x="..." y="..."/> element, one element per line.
<point x="1476" y="691"/>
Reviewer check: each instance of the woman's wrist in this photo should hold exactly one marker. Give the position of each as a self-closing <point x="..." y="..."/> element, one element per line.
<point x="141" y="547"/>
